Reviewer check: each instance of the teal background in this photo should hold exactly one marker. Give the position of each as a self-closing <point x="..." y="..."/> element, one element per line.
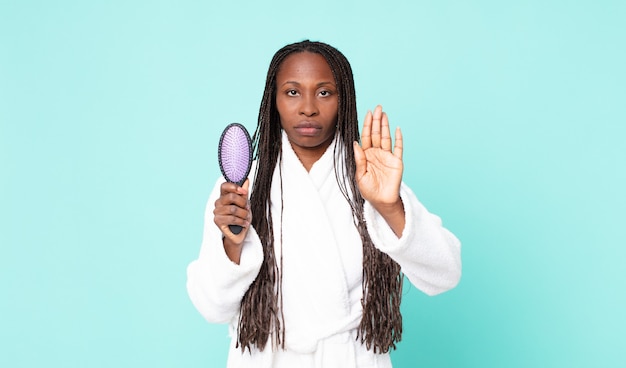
<point x="514" y="122"/>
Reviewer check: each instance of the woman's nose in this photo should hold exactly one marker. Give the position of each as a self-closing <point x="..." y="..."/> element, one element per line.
<point x="308" y="107"/>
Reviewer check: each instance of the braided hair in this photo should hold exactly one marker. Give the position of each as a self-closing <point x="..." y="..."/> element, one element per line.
<point x="260" y="314"/>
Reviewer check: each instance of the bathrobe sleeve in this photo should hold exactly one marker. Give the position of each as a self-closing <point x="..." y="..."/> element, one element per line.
<point x="215" y="284"/>
<point x="429" y="254"/>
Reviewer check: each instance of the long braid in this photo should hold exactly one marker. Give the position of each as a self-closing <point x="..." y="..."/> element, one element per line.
<point x="260" y="316"/>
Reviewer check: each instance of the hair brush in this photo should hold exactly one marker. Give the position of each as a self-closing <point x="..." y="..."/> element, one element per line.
<point x="234" y="154"/>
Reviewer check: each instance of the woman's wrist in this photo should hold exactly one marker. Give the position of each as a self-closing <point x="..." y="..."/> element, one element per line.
<point x="233" y="250"/>
<point x="393" y="214"/>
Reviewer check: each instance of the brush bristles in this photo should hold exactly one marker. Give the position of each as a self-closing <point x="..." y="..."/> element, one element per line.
<point x="235" y="153"/>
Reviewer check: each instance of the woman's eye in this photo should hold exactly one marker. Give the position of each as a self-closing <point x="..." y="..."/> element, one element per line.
<point x="292" y="92"/>
<point x="324" y="93"/>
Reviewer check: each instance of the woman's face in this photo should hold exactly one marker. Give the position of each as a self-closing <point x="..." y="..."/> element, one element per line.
<point x="307" y="102"/>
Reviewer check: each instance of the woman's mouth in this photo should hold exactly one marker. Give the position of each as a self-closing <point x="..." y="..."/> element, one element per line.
<point x="308" y="128"/>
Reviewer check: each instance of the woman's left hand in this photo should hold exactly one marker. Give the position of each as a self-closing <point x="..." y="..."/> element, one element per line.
<point x="379" y="168"/>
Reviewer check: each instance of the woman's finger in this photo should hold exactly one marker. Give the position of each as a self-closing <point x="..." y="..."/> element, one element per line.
<point x="224" y="216"/>
<point x="361" y="161"/>
<point x="228" y="187"/>
<point x="397" y="149"/>
<point x="376" y="122"/>
<point x="366" y="137"/>
<point x="385" y="142"/>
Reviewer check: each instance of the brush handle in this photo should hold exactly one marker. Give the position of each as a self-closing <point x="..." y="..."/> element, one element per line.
<point x="236" y="229"/>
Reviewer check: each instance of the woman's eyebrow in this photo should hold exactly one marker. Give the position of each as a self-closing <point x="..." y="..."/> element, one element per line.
<point x="318" y="85"/>
<point x="291" y="82"/>
<point x="326" y="83"/>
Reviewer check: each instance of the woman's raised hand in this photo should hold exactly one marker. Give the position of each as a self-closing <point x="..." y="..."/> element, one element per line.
<point x="379" y="168"/>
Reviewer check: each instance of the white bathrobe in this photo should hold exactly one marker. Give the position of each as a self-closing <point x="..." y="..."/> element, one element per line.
<point x="322" y="267"/>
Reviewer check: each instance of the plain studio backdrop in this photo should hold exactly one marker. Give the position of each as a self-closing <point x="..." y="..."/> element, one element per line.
<point x="515" y="134"/>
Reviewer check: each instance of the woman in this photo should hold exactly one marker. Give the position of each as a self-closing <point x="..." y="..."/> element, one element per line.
<point x="315" y="277"/>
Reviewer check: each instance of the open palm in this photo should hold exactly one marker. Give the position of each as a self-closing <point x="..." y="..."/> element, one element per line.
<point x="378" y="167"/>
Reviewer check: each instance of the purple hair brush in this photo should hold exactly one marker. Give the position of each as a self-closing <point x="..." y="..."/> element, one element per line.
<point x="234" y="153"/>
